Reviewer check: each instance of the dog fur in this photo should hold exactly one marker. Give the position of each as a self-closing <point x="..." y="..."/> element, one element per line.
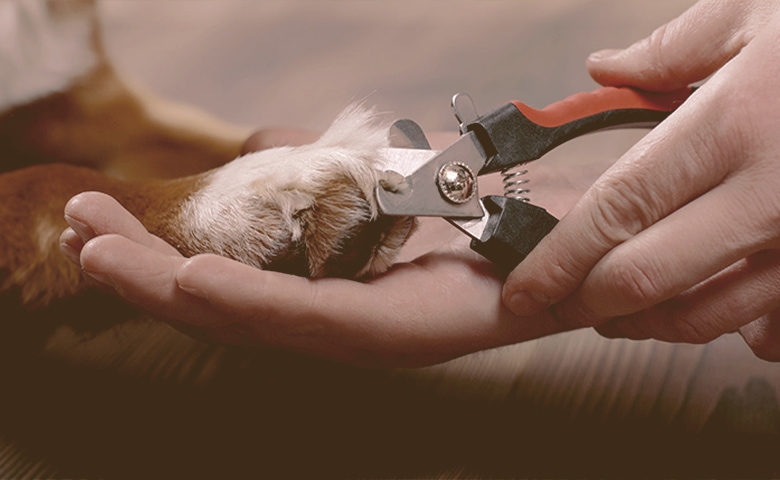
<point x="69" y="124"/>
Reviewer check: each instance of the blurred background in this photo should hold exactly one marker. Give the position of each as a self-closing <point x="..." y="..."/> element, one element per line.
<point x="298" y="63"/>
<point x="572" y="405"/>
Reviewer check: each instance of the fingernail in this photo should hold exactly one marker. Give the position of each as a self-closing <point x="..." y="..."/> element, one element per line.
<point x="602" y="55"/>
<point x="71" y="245"/>
<point x="70" y="253"/>
<point x="194" y="291"/>
<point x="525" y="303"/>
<point x="102" y="278"/>
<point x="82" y="229"/>
<point x="188" y="283"/>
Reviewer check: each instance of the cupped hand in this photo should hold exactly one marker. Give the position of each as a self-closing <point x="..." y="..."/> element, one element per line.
<point x="441" y="305"/>
<point x="439" y="302"/>
<point x="680" y="239"/>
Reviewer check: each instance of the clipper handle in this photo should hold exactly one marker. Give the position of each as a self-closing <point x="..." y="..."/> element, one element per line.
<point x="516" y="133"/>
<point x="513" y="229"/>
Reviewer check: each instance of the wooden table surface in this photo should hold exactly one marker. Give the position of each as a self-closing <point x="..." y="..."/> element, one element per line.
<point x="571" y="405"/>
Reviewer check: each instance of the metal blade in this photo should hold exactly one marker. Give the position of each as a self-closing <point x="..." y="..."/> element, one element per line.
<point x="404" y="161"/>
<point x="473" y="227"/>
<point x="405" y="133"/>
<point x="417" y="193"/>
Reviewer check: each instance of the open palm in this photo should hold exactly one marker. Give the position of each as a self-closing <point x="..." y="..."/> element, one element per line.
<point x="438" y="302"/>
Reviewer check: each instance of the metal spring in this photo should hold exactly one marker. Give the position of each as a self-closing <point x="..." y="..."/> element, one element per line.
<point x="514" y="183"/>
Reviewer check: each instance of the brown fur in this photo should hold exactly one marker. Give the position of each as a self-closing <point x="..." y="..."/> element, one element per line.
<point x="99" y="135"/>
<point x="33" y="200"/>
<point x="99" y="123"/>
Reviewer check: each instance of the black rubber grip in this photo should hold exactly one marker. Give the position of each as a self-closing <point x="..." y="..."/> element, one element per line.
<point x="499" y="131"/>
<point x="514" y="228"/>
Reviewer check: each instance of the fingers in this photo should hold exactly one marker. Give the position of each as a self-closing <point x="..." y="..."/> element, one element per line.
<point x="684" y="51"/>
<point x="146" y="278"/>
<point x="763" y="336"/>
<point x="630" y="197"/>
<point x="141" y="275"/>
<point x="285" y="311"/>
<point x="622" y="242"/>
<point x="443" y="306"/>
<point x="342" y="320"/>
<point x="677" y="252"/>
<point x="418" y="314"/>
<point x="726" y="302"/>
<point x="91" y="214"/>
<point x="71" y="245"/>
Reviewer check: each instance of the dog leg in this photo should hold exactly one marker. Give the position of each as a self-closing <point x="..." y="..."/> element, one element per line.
<point x="307" y="210"/>
<point x="61" y="101"/>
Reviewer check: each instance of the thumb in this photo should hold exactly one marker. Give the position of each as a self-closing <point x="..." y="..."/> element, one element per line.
<point x="686" y="50"/>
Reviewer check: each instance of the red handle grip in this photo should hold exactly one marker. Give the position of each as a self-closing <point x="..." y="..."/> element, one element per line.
<point x="585" y="104"/>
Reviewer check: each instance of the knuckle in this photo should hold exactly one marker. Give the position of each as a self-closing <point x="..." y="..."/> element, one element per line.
<point x="620" y="210"/>
<point x="559" y="279"/>
<point x="634" y="282"/>
<point x="657" y="46"/>
<point x="662" y="68"/>
<point x="547" y="277"/>
<point x="678" y="321"/>
<point x="687" y="329"/>
<point x="564" y="274"/>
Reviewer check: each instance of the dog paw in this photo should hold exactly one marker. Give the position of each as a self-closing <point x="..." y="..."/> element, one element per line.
<point x="308" y="210"/>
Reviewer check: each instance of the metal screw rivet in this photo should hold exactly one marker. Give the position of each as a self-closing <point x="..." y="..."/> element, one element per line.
<point x="457" y="183"/>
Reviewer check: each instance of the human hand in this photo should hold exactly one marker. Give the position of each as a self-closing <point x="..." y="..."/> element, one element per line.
<point x="439" y="302"/>
<point x="679" y="240"/>
<point x="441" y="305"/>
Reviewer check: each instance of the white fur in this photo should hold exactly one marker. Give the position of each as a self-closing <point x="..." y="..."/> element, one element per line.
<point x="43" y="49"/>
<point x="232" y="206"/>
